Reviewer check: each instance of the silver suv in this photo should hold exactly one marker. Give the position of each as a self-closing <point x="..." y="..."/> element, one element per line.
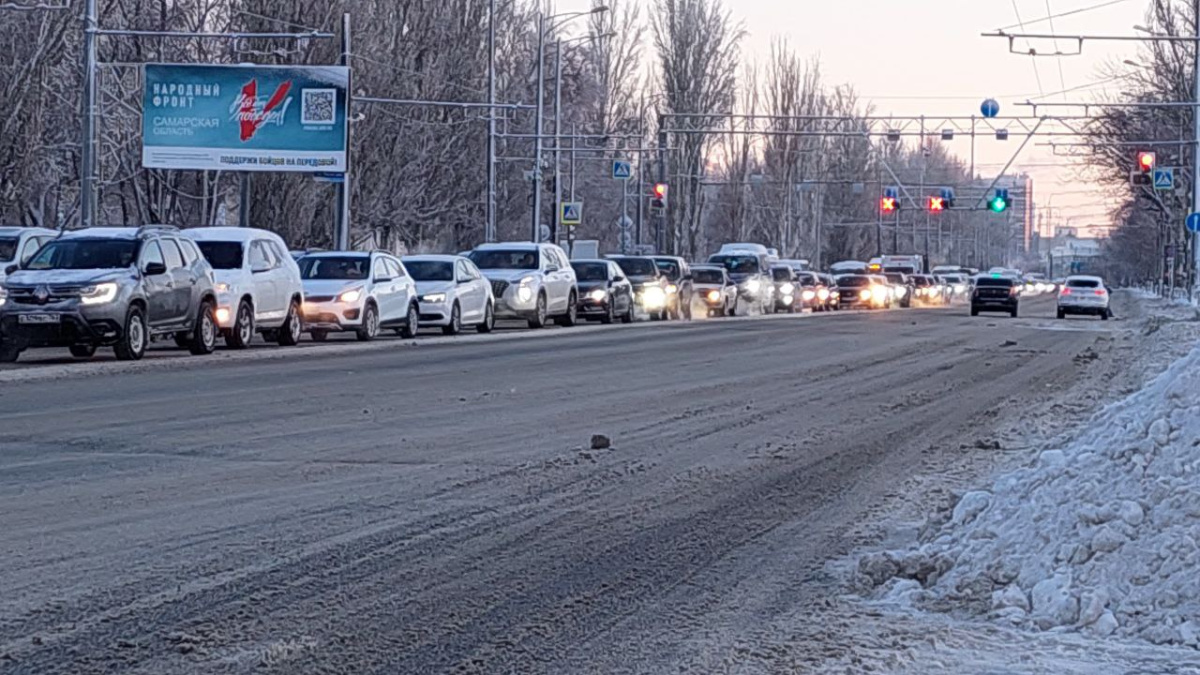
<point x="533" y="282"/>
<point x="119" y="287"/>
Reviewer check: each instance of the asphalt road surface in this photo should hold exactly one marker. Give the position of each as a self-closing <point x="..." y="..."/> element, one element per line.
<point x="439" y="509"/>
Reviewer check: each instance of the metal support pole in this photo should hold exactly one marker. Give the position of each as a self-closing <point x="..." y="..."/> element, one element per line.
<point x="879" y="216"/>
<point x="571" y="181"/>
<point x="244" y="199"/>
<point x="558" y="201"/>
<point x="640" y="185"/>
<point x="87" y="154"/>
<point x="343" y="192"/>
<point x="539" y="78"/>
<point x="660" y="238"/>
<point x="489" y="234"/>
<point x="1196" y="154"/>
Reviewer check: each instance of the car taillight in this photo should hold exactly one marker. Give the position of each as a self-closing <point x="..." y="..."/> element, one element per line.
<point x="1101" y="292"/>
<point x="1066" y="291"/>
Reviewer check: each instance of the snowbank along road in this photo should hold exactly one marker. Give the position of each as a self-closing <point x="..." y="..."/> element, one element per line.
<point x="441" y="509"/>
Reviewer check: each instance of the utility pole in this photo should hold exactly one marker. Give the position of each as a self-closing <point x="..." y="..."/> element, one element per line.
<point x="641" y="175"/>
<point x="558" y="201"/>
<point x="1196" y="152"/>
<point x="489" y="234"/>
<point x="87" y="154"/>
<point x="539" y="78"/>
<point x="660" y="238"/>
<point x="244" y="198"/>
<point x="343" y="191"/>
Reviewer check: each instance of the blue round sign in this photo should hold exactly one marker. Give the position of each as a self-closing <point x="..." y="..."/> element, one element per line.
<point x="1193" y="222"/>
<point x="990" y="108"/>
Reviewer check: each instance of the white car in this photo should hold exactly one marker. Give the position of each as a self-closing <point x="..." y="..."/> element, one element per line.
<point x="452" y="293"/>
<point x="530" y="281"/>
<point x="18" y="244"/>
<point x="257" y="283"/>
<point x="358" y="292"/>
<point x="1084" y="295"/>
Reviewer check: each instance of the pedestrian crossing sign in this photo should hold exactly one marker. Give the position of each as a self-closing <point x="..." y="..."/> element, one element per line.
<point x="1164" y="179"/>
<point x="622" y="170"/>
<point x="571" y="214"/>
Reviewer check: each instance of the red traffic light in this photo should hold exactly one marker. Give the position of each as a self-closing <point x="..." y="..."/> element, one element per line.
<point x="937" y="203"/>
<point x="887" y="204"/>
<point x="1146" y="161"/>
<point x="660" y="190"/>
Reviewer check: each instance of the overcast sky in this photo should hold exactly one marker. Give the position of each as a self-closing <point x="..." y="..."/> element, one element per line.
<point x="914" y="57"/>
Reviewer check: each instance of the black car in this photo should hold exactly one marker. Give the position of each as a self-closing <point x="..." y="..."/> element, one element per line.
<point x="787" y="289"/>
<point x="996" y="294"/>
<point x="900" y="280"/>
<point x="751" y="271"/>
<point x="649" y="285"/>
<point x="680" y="289"/>
<point x="604" y="292"/>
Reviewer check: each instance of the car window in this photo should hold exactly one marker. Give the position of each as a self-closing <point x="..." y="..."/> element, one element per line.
<point x="171" y="253"/>
<point x="277" y="251"/>
<point x="151" y="253"/>
<point x="379" y="269"/>
<point x="1083" y="283"/>
<point x="591" y="271"/>
<point x="31" y="247"/>
<point x="472" y="270"/>
<point x="188" y="250"/>
<point x="334" y="267"/>
<point x="706" y="276"/>
<point x="260" y="258"/>
<point x="615" y="271"/>
<point x="505" y="259"/>
<point x="994" y="282"/>
<point x="394" y="268"/>
<point x="781" y="274"/>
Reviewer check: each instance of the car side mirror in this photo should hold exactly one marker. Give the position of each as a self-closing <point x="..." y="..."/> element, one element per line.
<point x="551" y="269"/>
<point x="11" y="268"/>
<point x="154" y="269"/>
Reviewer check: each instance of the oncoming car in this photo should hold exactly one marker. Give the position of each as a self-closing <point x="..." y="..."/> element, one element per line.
<point x="862" y="291"/>
<point x="362" y="293"/>
<point x="604" y="292"/>
<point x="715" y="289"/>
<point x="18" y="244"/>
<point x="451" y="293"/>
<point x="532" y="282"/>
<point x="649" y="285"/>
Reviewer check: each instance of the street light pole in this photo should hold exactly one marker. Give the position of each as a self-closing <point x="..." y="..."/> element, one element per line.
<point x="554" y="237"/>
<point x="1196" y="155"/>
<point x="87" y="154"/>
<point x="534" y="234"/>
<point x="489" y="234"/>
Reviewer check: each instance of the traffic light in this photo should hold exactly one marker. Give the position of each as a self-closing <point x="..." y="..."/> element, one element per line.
<point x="659" y="199"/>
<point x="999" y="203"/>
<point x="1146" y="161"/>
<point x="937" y="204"/>
<point x="890" y="201"/>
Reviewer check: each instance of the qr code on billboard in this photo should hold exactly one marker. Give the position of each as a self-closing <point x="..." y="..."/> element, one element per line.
<point x="318" y="106"/>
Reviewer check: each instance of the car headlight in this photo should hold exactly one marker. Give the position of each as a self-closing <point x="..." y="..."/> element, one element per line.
<point x="525" y="293"/>
<point x="654" y="296"/>
<point x="714" y="296"/>
<point x="753" y="285"/>
<point x="787" y="289"/>
<point x="672" y="289"/>
<point x="434" y="298"/>
<point x="864" y="294"/>
<point x="808" y="295"/>
<point x="221" y="288"/>
<point x="901" y="292"/>
<point x="880" y="293"/>
<point x="823" y="294"/>
<point x="352" y="295"/>
<point x="99" y="294"/>
<point x="223" y="315"/>
<point x="599" y="295"/>
<point x="960" y="289"/>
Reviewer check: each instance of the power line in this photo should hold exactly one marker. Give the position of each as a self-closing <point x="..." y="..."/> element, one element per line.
<point x="1061" y="80"/>
<point x="1072" y="12"/>
<point x="1036" y="74"/>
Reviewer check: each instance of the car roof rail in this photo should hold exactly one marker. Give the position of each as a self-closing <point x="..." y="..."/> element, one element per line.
<point x="156" y="228"/>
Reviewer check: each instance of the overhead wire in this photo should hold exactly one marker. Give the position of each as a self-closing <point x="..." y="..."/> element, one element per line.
<point x="1072" y="12"/>
<point x="1033" y="59"/>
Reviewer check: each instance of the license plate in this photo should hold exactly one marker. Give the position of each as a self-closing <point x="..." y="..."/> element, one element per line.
<point x="39" y="318"/>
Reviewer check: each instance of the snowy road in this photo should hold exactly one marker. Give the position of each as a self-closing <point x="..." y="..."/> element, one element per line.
<point x="433" y="509"/>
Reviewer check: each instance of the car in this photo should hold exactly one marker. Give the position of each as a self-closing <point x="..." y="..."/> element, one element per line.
<point x="363" y="292"/>
<point x="110" y="286"/>
<point x="928" y="290"/>
<point x="903" y="287"/>
<point x="956" y="285"/>
<point x="649" y="285"/>
<point x="827" y="293"/>
<point x="996" y="292"/>
<point x="18" y="244"/>
<point x="605" y="294"/>
<point x="796" y="264"/>
<point x="451" y="293"/>
<point x="862" y="291"/>
<point x="716" y="290"/>
<point x="787" y="289"/>
<point x="531" y="282"/>
<point x="751" y="271"/>
<point x="258" y="284"/>
<point x="807" y="285"/>
<point x="680" y="290"/>
<point x="1085" y="295"/>
<point x="848" y="267"/>
<point x="880" y="281"/>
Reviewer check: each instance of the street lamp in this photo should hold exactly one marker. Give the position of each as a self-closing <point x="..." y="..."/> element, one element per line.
<point x="541" y="104"/>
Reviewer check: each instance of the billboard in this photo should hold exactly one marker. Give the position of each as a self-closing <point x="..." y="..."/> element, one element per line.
<point x="245" y="117"/>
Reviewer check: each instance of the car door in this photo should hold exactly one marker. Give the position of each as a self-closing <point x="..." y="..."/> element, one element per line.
<point x="287" y="281"/>
<point x="159" y="287"/>
<point x="266" y="290"/>
<point x="563" y="279"/>
<point x="385" y="290"/>
<point x="467" y="292"/>
<point x="622" y="290"/>
<point x="183" y="281"/>
<point x="405" y="287"/>
<point x="481" y="286"/>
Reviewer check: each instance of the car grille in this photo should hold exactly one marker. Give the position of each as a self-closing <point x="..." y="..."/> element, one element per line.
<point x="27" y="295"/>
<point x="499" y="287"/>
<point x="319" y="298"/>
<point x="994" y="293"/>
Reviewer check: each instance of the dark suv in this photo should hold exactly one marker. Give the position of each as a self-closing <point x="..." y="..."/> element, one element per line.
<point x="118" y="286"/>
<point x="996" y="293"/>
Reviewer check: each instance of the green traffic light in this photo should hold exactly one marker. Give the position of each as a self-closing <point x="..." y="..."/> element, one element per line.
<point x="998" y="204"/>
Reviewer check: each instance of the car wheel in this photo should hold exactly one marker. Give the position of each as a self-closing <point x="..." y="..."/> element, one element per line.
<point x="1062" y="314"/>
<point x="132" y="346"/>
<point x="204" y="338"/>
<point x="571" y="318"/>
<point x="539" y="316"/>
<point x="489" y="320"/>
<point x="610" y="314"/>
<point x="1013" y="313"/>
<point x="370" y="324"/>
<point x="9" y="353"/>
<point x="319" y="335"/>
<point x="1104" y="315"/>
<point x="289" y="333"/>
<point x="628" y="316"/>
<point x="83" y="351"/>
<point x="242" y="333"/>
<point x="412" y="323"/>
<point x="455" y="326"/>
<point x="974" y="311"/>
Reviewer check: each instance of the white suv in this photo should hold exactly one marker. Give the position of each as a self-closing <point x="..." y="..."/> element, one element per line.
<point x="1084" y="295"/>
<point x="359" y="292"/>
<point x="18" y="244"/>
<point x="533" y="282"/>
<point x="257" y="282"/>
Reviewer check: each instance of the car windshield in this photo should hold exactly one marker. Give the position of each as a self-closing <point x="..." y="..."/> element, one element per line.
<point x="854" y="281"/>
<point x="994" y="282"/>
<point x="324" y="267"/>
<point x="222" y="255"/>
<point x="703" y="276"/>
<point x="781" y="274"/>
<point x="808" y="279"/>
<point x="922" y="281"/>
<point x="670" y="268"/>
<point x="895" y="278"/>
<point x="638" y="267"/>
<point x="1083" y="283"/>
<point x="430" y="270"/>
<point x="85" y="254"/>
<point x="505" y="260"/>
<point x="737" y="264"/>
<point x="590" y="271"/>
<point x="8" y="248"/>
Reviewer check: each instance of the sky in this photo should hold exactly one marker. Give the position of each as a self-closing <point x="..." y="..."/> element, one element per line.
<point x="927" y="57"/>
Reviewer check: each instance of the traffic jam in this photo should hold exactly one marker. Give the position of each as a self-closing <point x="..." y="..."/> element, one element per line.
<point x="126" y="288"/>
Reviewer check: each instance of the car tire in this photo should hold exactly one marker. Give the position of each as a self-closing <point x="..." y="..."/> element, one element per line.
<point x="974" y="311"/>
<point x="242" y="333"/>
<point x="370" y="324"/>
<point x="489" y="320"/>
<point x="455" y="325"/>
<point x="135" y="337"/>
<point x="1104" y="315"/>
<point x="83" y="351"/>
<point x="610" y="314"/>
<point x="412" y="323"/>
<point x="571" y="318"/>
<point x="1013" y="313"/>
<point x="1062" y="314"/>
<point x="204" y="333"/>
<point x="9" y="353"/>
<point x="289" y="333"/>
<point x="539" y="317"/>
<point x="628" y="316"/>
<point x="319" y="335"/>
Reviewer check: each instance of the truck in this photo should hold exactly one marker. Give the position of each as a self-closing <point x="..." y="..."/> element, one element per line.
<point x="903" y="264"/>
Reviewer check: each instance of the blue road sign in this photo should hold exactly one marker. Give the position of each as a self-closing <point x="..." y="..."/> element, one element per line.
<point x="622" y="170"/>
<point x="990" y="108"/>
<point x="1193" y="223"/>
<point x="1164" y="179"/>
<point x="572" y="213"/>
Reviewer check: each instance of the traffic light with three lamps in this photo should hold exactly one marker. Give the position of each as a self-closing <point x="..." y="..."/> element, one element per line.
<point x="658" y="200"/>
<point x="890" y="201"/>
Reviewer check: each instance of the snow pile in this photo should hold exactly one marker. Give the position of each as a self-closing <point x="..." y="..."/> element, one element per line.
<point x="1102" y="536"/>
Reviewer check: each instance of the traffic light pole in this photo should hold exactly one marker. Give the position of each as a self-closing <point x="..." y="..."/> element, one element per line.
<point x="1196" y="156"/>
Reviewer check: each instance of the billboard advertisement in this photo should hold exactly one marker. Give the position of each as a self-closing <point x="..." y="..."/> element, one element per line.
<point x="245" y="117"/>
